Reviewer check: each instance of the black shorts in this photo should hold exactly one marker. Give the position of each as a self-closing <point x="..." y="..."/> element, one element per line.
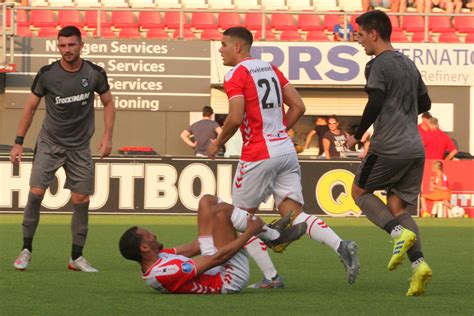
<point x="401" y="177"/>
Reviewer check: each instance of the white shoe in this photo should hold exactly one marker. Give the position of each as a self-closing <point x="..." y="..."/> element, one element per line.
<point x="21" y="262"/>
<point x="81" y="264"/>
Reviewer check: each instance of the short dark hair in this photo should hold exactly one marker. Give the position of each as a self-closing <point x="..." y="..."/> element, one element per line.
<point x="240" y="32"/>
<point x="376" y="20"/>
<point x="207" y="111"/>
<point x="129" y="244"/>
<point x="426" y="115"/>
<point x="334" y="117"/>
<point x="69" y="31"/>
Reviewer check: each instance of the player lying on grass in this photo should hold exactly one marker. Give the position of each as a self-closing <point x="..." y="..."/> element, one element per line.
<point x="223" y="266"/>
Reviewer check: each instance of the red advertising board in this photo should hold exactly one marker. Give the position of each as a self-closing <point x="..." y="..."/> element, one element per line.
<point x="460" y="176"/>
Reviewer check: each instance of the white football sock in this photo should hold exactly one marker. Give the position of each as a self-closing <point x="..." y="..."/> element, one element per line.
<point x="239" y="220"/>
<point x="319" y="230"/>
<point x="396" y="231"/>
<point x="206" y="244"/>
<point x="258" y="251"/>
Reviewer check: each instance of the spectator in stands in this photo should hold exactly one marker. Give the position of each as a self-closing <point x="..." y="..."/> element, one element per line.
<point x="418" y="4"/>
<point x="450" y="6"/>
<point x="392" y="5"/>
<point x="321" y="127"/>
<point x="439" y="143"/>
<point x="439" y="189"/>
<point x="204" y="131"/>
<point x="334" y="141"/>
<point x="424" y="127"/>
<point x="341" y="33"/>
<point x="468" y="4"/>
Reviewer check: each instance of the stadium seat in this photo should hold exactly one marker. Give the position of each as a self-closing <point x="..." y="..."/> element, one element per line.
<point x="253" y="21"/>
<point x="203" y="20"/>
<point x="150" y="20"/>
<point x="123" y="19"/>
<point x="105" y="32"/>
<point x="187" y="34"/>
<point x="172" y="20"/>
<point x="70" y="17"/>
<point x="157" y="33"/>
<point x="194" y="4"/>
<point x="469" y="38"/>
<point x="40" y="18"/>
<point x="269" y="36"/>
<point x="274" y="4"/>
<point x="115" y="3"/>
<point x="141" y="4"/>
<point x="419" y="37"/>
<point x="24" y="31"/>
<point x="211" y="34"/>
<point x="220" y="4"/>
<point x="329" y="21"/>
<point x="413" y="23"/>
<point x="21" y="18"/>
<point x="465" y="23"/>
<point x="325" y="5"/>
<point x="398" y="37"/>
<point x="281" y="22"/>
<point x="439" y="24"/>
<point x="129" y="32"/>
<point x="90" y="19"/>
<point x="300" y="5"/>
<point x="48" y="31"/>
<point x="290" y="36"/>
<point x="448" y="37"/>
<point x="317" y="36"/>
<point x="228" y="19"/>
<point x="309" y="22"/>
<point x="168" y="4"/>
<point x="247" y="4"/>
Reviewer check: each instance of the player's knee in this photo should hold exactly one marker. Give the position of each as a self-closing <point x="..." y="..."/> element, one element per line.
<point x="37" y="191"/>
<point x="221" y="211"/>
<point x="207" y="200"/>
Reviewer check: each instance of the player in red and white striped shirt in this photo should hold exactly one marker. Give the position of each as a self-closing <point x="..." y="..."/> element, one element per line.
<point x="223" y="266"/>
<point x="268" y="165"/>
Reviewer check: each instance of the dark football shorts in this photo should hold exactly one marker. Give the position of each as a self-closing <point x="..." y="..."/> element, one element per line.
<point x="401" y="177"/>
<point x="77" y="164"/>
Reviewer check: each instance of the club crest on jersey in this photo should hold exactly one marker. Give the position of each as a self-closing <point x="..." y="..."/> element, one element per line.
<point x="84" y="82"/>
<point x="187" y="267"/>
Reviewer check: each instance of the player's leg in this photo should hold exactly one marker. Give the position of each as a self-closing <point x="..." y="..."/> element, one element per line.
<point x="405" y="191"/>
<point x="288" y="195"/>
<point x="249" y="189"/>
<point x="379" y="173"/>
<point x="80" y="180"/>
<point x="47" y="160"/>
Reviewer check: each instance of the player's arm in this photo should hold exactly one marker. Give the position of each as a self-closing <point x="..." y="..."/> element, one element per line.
<point x="25" y="122"/>
<point x="204" y="263"/>
<point x="188" y="250"/>
<point x="296" y="107"/>
<point x="451" y="154"/>
<point x="326" y="145"/>
<point x="231" y="125"/>
<point x="105" y="146"/>
<point x="185" y="137"/>
<point x="371" y="112"/>
<point x="424" y="103"/>
<point x="309" y="137"/>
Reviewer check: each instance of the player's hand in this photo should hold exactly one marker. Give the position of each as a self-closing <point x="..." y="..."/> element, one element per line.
<point x="254" y="225"/>
<point x="105" y="147"/>
<point x="16" y="153"/>
<point x="350" y="141"/>
<point x="212" y="150"/>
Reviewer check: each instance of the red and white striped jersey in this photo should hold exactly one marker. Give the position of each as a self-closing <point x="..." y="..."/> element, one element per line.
<point x="264" y="125"/>
<point x="177" y="274"/>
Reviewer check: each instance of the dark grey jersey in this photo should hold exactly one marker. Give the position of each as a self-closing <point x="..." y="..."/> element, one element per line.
<point x="69" y="98"/>
<point x="395" y="129"/>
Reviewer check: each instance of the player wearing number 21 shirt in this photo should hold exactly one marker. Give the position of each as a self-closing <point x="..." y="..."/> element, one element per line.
<point x="268" y="165"/>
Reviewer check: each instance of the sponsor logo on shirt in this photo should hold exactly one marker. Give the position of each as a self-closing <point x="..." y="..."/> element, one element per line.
<point x="187" y="267"/>
<point x="74" y="98"/>
<point x="84" y="82"/>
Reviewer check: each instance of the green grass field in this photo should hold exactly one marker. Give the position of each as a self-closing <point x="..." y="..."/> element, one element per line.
<point x="314" y="276"/>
